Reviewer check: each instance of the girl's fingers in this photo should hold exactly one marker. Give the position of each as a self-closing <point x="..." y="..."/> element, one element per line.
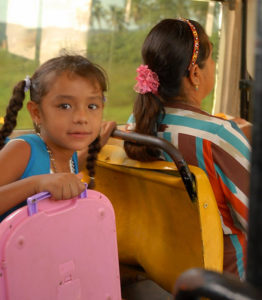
<point x="80" y="176"/>
<point x="62" y="186"/>
<point x="66" y="192"/>
<point x="75" y="190"/>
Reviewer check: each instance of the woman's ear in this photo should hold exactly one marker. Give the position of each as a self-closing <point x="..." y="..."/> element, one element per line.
<point x="33" y="109"/>
<point x="195" y="75"/>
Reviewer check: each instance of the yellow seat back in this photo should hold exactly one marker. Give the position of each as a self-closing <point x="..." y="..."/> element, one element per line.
<point x="158" y="227"/>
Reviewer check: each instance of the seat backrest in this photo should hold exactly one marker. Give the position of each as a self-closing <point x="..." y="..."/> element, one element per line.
<point x="158" y="226"/>
<point x="65" y="250"/>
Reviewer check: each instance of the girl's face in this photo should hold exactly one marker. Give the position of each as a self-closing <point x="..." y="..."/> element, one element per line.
<point x="70" y="114"/>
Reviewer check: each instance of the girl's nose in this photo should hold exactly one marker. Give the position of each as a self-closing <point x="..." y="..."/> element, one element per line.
<point x="80" y="116"/>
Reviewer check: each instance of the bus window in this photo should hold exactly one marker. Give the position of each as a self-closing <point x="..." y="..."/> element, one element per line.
<point x="236" y="59"/>
<point x="109" y="32"/>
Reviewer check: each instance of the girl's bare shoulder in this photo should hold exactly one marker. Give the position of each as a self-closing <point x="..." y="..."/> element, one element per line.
<point x="14" y="157"/>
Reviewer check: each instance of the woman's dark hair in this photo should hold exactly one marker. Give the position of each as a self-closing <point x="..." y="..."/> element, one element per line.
<point x="167" y="50"/>
<point x="42" y="81"/>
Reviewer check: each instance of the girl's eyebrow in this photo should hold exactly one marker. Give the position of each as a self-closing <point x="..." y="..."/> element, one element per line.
<point x="95" y="97"/>
<point x="69" y="97"/>
<point x="64" y="97"/>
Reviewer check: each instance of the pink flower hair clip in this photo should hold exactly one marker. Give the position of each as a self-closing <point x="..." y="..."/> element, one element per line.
<point x="147" y="80"/>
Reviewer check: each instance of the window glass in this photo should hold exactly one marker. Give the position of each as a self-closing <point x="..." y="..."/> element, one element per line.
<point x="109" y="32"/>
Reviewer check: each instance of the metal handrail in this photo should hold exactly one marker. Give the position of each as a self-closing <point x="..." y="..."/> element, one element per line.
<point x="183" y="169"/>
<point x="197" y="283"/>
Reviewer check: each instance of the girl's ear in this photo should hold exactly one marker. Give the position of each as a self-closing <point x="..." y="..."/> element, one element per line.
<point x="33" y="109"/>
<point x="194" y="75"/>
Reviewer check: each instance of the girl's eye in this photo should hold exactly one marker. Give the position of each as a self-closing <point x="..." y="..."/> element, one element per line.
<point x="93" y="106"/>
<point x="65" y="106"/>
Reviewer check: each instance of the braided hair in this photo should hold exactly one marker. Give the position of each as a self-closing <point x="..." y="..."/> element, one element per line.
<point x="15" y="104"/>
<point x="167" y="51"/>
<point x="93" y="151"/>
<point x="41" y="83"/>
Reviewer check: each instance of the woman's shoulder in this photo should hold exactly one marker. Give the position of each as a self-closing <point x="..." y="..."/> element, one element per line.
<point x="195" y="118"/>
<point x="197" y="123"/>
<point x="195" y="115"/>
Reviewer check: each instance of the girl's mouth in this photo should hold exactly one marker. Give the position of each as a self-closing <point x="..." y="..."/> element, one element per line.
<point x="80" y="134"/>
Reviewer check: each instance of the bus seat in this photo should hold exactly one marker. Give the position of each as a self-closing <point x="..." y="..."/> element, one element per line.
<point x="60" y="250"/>
<point x="159" y="227"/>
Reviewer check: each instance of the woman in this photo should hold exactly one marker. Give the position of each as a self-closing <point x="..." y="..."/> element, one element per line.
<point x="178" y="73"/>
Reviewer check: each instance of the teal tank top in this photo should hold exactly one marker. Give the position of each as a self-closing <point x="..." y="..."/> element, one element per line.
<point x="39" y="162"/>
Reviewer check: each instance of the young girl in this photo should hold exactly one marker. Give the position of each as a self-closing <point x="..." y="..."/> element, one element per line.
<point x="178" y="73"/>
<point x="66" y="106"/>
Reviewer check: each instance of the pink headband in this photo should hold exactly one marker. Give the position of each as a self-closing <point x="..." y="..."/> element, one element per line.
<point x="147" y="80"/>
<point x="196" y="42"/>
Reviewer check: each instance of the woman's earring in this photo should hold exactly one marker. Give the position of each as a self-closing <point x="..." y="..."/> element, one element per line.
<point x="196" y="87"/>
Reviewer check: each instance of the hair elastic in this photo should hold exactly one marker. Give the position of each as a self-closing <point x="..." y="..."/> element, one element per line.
<point x="196" y="42"/>
<point x="147" y="80"/>
<point x="27" y="83"/>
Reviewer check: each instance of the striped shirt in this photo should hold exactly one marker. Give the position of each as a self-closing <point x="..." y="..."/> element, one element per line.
<point x="219" y="148"/>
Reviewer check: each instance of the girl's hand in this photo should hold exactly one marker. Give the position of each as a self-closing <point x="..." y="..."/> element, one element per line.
<point x="106" y="129"/>
<point x="245" y="126"/>
<point x="61" y="185"/>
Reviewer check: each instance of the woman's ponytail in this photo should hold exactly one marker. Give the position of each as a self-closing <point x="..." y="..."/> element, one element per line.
<point x="147" y="114"/>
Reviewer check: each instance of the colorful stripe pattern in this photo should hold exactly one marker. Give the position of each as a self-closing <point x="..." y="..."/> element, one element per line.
<point x="223" y="152"/>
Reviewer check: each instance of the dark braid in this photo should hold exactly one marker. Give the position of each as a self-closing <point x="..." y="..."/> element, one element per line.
<point x="93" y="151"/>
<point x="15" y="104"/>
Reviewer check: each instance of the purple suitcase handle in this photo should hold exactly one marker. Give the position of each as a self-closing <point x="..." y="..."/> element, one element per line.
<point x="32" y="201"/>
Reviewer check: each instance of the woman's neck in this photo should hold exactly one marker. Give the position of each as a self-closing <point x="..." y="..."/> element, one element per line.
<point x="183" y="100"/>
<point x="189" y="94"/>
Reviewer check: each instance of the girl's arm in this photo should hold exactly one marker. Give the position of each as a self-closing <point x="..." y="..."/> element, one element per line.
<point x="60" y="185"/>
<point x="13" y="161"/>
<point x="107" y="128"/>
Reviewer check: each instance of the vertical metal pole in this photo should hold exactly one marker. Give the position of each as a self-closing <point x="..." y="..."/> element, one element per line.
<point x="244" y="86"/>
<point x="39" y="33"/>
<point x="3" y="24"/>
<point x="89" y="20"/>
<point x="254" y="261"/>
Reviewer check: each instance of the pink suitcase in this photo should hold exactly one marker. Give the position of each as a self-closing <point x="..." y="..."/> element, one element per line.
<point x="60" y="250"/>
